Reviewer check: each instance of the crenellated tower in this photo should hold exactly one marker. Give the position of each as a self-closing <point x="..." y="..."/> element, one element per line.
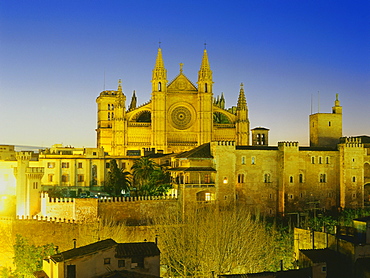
<point x="205" y="100"/>
<point x="28" y="187"/>
<point x="119" y="136"/>
<point x="159" y="93"/>
<point x="242" y="121"/>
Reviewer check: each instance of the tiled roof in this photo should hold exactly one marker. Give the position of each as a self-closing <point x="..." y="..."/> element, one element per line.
<point x="84" y="250"/>
<point x="124" y="250"/>
<point x="203" y="151"/>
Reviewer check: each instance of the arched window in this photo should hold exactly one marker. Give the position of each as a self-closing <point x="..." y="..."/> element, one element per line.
<point x="206" y="87"/>
<point x="253" y="160"/>
<point x="291" y="179"/>
<point x="159" y="86"/>
<point x="322" y="177"/>
<point x="300" y="178"/>
<point x="243" y="159"/>
<point x="112" y="106"/>
<point x="353" y="179"/>
<point x="112" y="115"/>
<point x="108" y="106"/>
<point x="108" y="116"/>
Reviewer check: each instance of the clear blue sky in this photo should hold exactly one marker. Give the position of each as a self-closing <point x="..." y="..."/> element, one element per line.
<point x="54" y="55"/>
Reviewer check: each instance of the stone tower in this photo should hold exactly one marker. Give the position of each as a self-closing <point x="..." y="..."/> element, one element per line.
<point x="119" y="136"/>
<point x="260" y="136"/>
<point x="242" y="121"/>
<point x="205" y="96"/>
<point x="326" y="128"/>
<point x="28" y="188"/>
<point x="159" y="103"/>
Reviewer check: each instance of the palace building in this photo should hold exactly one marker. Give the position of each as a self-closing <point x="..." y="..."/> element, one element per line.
<point x="180" y="115"/>
<point x="212" y="153"/>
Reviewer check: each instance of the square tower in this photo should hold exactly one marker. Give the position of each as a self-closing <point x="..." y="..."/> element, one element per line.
<point x="326" y="128"/>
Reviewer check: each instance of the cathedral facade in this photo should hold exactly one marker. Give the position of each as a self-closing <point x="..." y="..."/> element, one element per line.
<point x="180" y="115"/>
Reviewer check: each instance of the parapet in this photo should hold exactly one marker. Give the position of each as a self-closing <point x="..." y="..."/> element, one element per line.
<point x="288" y="145"/>
<point x="352" y="142"/>
<point x="225" y="143"/>
<point x="24" y="155"/>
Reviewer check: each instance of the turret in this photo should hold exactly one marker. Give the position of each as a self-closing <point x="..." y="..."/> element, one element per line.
<point x="242" y="121"/>
<point x="205" y="82"/>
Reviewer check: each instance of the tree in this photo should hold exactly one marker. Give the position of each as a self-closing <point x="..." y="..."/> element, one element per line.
<point x="209" y="239"/>
<point x="28" y="258"/>
<point x="118" y="180"/>
<point x="149" y="178"/>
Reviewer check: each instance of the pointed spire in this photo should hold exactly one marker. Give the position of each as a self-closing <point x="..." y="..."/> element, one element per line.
<point x="133" y="101"/>
<point x="337" y="102"/>
<point x="205" y="75"/>
<point x="242" y="101"/>
<point x="159" y="71"/>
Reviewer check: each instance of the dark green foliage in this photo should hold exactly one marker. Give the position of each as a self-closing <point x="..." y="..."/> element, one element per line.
<point x="28" y="258"/>
<point x="118" y="180"/>
<point x="149" y="178"/>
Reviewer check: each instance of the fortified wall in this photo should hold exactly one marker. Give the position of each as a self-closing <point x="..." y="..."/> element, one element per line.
<point x="132" y="210"/>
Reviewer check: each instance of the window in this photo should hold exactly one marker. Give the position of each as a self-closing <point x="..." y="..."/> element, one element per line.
<point x="207" y="196"/>
<point x="112" y="106"/>
<point x="267" y="178"/>
<point x="291" y="179"/>
<point x="320" y="160"/>
<point x="322" y="177"/>
<point x="35" y="185"/>
<point x="121" y="263"/>
<point x="50" y="177"/>
<point x="94" y="153"/>
<point x="243" y="160"/>
<point x="112" y="115"/>
<point x="327" y="160"/>
<point x="300" y="178"/>
<point x="107" y="165"/>
<point x="225" y="180"/>
<point x="79" y="165"/>
<point x="353" y="179"/>
<point x="207" y="178"/>
<point x="253" y="160"/>
<point x="65" y="164"/>
<point x="241" y="178"/>
<point x="139" y="261"/>
<point x="291" y="196"/>
<point x="159" y="86"/>
<point x="80" y="178"/>
<point x="108" y="106"/>
<point x="313" y="160"/>
<point x="329" y="123"/>
<point x="106" y="260"/>
<point x="108" y="116"/>
<point x="65" y="178"/>
<point x="206" y="87"/>
<point x="51" y="164"/>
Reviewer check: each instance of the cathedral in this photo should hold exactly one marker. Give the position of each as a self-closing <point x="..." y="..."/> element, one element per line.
<point x="180" y="115"/>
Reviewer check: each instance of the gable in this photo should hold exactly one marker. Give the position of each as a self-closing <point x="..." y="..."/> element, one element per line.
<point x="181" y="83"/>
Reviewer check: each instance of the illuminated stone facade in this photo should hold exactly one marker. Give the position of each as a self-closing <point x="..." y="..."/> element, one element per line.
<point x="179" y="116"/>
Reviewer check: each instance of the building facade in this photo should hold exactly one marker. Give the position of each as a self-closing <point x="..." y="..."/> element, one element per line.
<point x="180" y="115"/>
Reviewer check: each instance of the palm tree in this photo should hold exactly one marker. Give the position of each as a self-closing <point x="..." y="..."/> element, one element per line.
<point x="118" y="180"/>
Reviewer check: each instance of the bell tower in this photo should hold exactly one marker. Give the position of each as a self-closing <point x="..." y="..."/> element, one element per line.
<point x="159" y="95"/>
<point x="205" y="99"/>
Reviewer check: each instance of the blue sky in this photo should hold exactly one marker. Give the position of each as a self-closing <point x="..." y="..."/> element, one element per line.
<point x="57" y="56"/>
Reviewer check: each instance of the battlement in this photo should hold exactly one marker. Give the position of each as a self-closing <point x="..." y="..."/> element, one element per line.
<point x="352" y="142"/>
<point x="48" y="219"/>
<point x="225" y="143"/>
<point x="23" y="155"/>
<point x="288" y="144"/>
<point x="35" y="170"/>
<point x="135" y="199"/>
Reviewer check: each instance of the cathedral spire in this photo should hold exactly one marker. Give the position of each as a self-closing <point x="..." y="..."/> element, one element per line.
<point x="159" y="76"/>
<point x="119" y="85"/>
<point x="133" y="101"/>
<point x="205" y="75"/>
<point x="242" y="102"/>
